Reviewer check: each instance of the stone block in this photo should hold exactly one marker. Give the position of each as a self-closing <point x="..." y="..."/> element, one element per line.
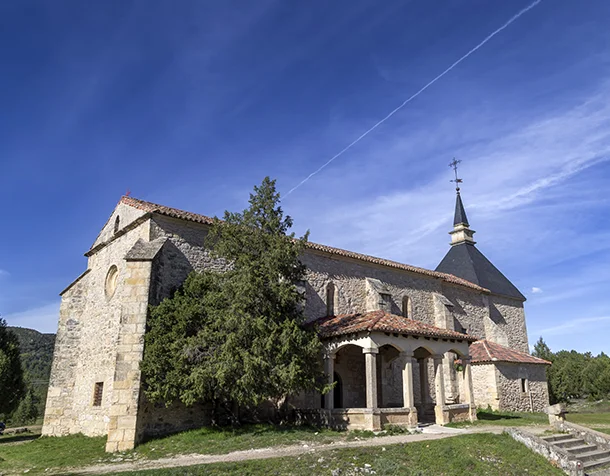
<point x="126" y="422"/>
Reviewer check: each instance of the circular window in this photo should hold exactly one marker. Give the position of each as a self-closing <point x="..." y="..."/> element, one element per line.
<point x="111" y="281"/>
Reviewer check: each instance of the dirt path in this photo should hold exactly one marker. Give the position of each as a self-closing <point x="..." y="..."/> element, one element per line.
<point x="280" y="451"/>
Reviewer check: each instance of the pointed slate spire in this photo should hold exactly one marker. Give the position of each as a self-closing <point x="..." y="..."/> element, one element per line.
<point x="464" y="259"/>
<point x="460" y="214"/>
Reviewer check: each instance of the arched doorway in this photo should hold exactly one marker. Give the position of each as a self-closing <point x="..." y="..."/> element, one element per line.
<point x="423" y="380"/>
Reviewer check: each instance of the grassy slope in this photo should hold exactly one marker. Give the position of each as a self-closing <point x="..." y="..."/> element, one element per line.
<point x="589" y="419"/>
<point x="469" y="454"/>
<point x="77" y="450"/>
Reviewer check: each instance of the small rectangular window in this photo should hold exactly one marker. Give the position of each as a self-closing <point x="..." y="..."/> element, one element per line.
<point x="524" y="388"/>
<point x="98" y="391"/>
<point x="385" y="302"/>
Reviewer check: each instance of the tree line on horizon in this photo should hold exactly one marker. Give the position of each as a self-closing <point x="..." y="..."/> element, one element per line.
<point x="25" y="366"/>
<point x="574" y="375"/>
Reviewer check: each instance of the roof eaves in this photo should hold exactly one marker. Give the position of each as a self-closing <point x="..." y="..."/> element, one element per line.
<point x="134" y="224"/>
<point x="180" y="214"/>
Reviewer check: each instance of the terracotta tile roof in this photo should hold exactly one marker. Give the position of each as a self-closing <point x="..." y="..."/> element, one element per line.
<point x="484" y="351"/>
<point x="176" y="213"/>
<point x="163" y="210"/>
<point x="381" y="321"/>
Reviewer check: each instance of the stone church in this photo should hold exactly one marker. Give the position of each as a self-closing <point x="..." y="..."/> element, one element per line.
<point x="404" y="345"/>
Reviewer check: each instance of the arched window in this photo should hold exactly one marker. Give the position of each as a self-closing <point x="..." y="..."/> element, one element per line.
<point x="330" y="299"/>
<point x="112" y="279"/>
<point x="117" y="223"/>
<point x="407" y="311"/>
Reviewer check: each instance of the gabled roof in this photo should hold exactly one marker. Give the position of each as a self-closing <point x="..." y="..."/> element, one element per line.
<point x="382" y="321"/>
<point x="176" y="213"/>
<point x="467" y="262"/>
<point x="484" y="351"/>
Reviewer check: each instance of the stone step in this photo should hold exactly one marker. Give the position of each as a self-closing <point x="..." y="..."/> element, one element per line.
<point x="554" y="438"/>
<point x="566" y="444"/>
<point x="576" y="450"/>
<point x="594" y="456"/>
<point x="588" y="465"/>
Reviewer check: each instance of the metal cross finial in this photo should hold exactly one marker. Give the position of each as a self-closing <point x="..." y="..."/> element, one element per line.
<point x="457" y="181"/>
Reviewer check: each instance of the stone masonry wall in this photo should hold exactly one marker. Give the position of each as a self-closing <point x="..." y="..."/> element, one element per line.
<point x="125" y="214"/>
<point x="485" y="387"/>
<point x="87" y="339"/>
<point x="470" y="310"/>
<point x="349" y="277"/>
<point x="509" y="317"/>
<point x="509" y="376"/>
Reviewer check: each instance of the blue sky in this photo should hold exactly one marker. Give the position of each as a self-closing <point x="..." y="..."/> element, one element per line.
<point x="191" y="103"/>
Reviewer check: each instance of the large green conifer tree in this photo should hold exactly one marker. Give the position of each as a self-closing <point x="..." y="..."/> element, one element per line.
<point x="236" y="338"/>
<point x="12" y="387"/>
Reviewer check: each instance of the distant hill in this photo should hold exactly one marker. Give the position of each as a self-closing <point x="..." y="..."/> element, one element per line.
<point x="36" y="354"/>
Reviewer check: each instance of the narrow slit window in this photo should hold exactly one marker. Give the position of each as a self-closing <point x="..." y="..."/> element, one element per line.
<point x="406" y="307"/>
<point x="98" y="392"/>
<point x="524" y="388"/>
<point x="330" y="299"/>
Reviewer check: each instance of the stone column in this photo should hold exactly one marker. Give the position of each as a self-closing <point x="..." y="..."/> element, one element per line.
<point x="423" y="383"/>
<point x="370" y="356"/>
<point x="408" y="399"/>
<point x="439" y="386"/>
<point x="468" y="389"/>
<point x="407" y="380"/>
<point x="329" y="370"/>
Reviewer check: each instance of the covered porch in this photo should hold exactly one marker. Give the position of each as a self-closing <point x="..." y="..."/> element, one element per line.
<point x="390" y="370"/>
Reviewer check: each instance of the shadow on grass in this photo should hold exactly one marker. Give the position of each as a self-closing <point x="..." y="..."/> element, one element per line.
<point x="17" y="438"/>
<point x="489" y="416"/>
<point x="253" y="429"/>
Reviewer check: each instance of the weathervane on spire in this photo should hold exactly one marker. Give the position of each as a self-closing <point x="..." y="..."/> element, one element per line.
<point x="457" y="181"/>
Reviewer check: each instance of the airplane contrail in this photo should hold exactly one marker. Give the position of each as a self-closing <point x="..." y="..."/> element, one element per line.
<point x="407" y="101"/>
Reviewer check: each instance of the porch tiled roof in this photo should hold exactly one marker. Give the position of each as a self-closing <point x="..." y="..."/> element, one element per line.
<point x="381" y="321"/>
<point x="176" y="213"/>
<point x="484" y="351"/>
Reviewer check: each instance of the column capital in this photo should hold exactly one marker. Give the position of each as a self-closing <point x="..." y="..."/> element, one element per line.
<point x="370" y="350"/>
<point x="329" y="355"/>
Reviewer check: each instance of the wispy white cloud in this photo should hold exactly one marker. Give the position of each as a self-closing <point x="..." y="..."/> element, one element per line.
<point x="536" y="290"/>
<point x="514" y="171"/>
<point x="43" y="318"/>
<point x="580" y="325"/>
<point x="4" y="273"/>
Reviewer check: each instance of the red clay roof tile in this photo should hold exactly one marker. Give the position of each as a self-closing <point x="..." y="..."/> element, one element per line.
<point x="484" y="351"/>
<point x="381" y="321"/>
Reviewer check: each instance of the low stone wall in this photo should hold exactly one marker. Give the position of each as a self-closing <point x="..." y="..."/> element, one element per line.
<point x="562" y="459"/>
<point x="357" y="418"/>
<point x="158" y="420"/>
<point x="399" y="417"/>
<point x="590" y="436"/>
<point x="461" y="412"/>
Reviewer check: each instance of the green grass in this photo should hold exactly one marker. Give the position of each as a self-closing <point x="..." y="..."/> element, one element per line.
<point x="46" y="452"/>
<point x="467" y="454"/>
<point x="29" y="451"/>
<point x="488" y="417"/>
<point x="589" y="419"/>
<point x="224" y="440"/>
